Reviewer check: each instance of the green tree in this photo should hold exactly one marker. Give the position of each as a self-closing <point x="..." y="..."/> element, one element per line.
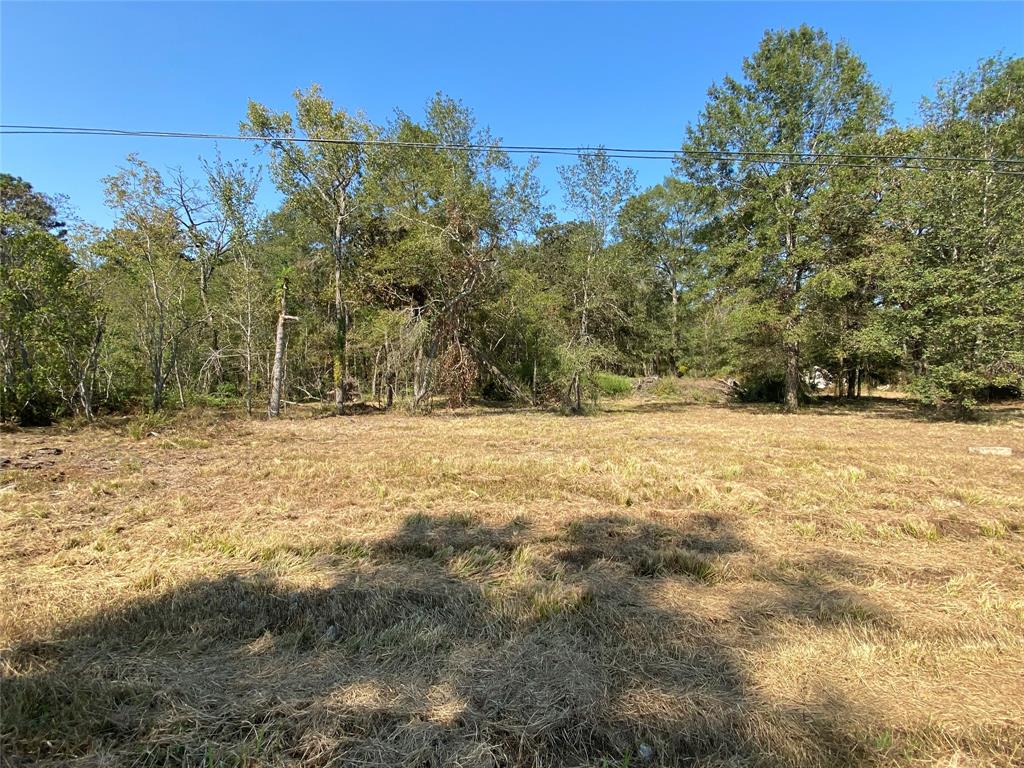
<point x="18" y="197"/>
<point x="595" y="189"/>
<point x="448" y="214"/>
<point x="800" y="95"/>
<point x="152" y="288"/>
<point x="45" y="321"/>
<point x="664" y="228"/>
<point x="322" y="178"/>
<point x="956" y="287"/>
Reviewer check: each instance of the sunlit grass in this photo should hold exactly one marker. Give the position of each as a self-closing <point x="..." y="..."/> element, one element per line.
<point x="716" y="583"/>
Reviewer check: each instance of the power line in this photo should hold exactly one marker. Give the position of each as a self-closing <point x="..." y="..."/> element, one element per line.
<point x="815" y="159"/>
<point x="513" y="147"/>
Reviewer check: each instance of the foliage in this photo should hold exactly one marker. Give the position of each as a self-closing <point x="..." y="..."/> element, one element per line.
<point x="50" y="324"/>
<point x="613" y="384"/>
<point x="422" y="266"/>
<point x="799" y="94"/>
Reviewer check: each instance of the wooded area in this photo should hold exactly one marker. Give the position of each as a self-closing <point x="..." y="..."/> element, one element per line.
<point x="802" y="234"/>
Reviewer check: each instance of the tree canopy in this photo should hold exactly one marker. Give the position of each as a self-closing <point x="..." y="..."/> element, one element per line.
<point x="416" y="262"/>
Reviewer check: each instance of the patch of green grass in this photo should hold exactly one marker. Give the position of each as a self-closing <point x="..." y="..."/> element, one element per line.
<point x="919" y="528"/>
<point x="538" y="600"/>
<point x="678" y="561"/>
<point x="806" y="528"/>
<point x="475" y="562"/>
<point x="885" y="532"/>
<point x="854" y="528"/>
<point x="612" y="384"/>
<point x="350" y="550"/>
<point x="992" y="528"/>
<point x="141" y="427"/>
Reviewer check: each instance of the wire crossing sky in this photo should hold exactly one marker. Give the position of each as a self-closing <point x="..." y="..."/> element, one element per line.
<point x="570" y="75"/>
<point x="927" y="163"/>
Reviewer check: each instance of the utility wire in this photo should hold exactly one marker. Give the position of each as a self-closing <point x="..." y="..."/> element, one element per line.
<point x="818" y="159"/>
<point x="523" y="148"/>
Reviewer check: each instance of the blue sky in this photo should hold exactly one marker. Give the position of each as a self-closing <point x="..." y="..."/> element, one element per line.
<point x="630" y="74"/>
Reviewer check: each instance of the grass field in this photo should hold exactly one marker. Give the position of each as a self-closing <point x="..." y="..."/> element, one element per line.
<point x="659" y="584"/>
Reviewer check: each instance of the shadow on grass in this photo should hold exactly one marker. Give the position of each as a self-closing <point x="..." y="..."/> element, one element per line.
<point x="912" y="410"/>
<point x="871" y="407"/>
<point x="448" y="643"/>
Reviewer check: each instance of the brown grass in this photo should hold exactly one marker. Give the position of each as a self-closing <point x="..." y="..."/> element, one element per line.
<point x="660" y="584"/>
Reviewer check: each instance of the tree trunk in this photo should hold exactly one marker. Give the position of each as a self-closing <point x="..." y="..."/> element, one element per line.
<point x="156" y="364"/>
<point x="339" y="312"/>
<point x="177" y="379"/>
<point x="214" y="375"/>
<point x="277" y="374"/>
<point x="792" y="376"/>
<point x="158" y="387"/>
<point x="422" y="373"/>
<point x="390" y="396"/>
<point x="87" y="380"/>
<point x="675" y="328"/>
<point x="373" y="377"/>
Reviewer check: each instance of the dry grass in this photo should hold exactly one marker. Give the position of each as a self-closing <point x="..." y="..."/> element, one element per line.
<point x="660" y="584"/>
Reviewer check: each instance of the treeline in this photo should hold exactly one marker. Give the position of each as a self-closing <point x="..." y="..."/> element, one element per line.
<point x="415" y="262"/>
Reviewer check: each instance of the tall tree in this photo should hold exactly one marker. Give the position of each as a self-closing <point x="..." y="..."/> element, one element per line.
<point x="663" y="226"/>
<point x="957" y="283"/>
<point x="206" y="229"/>
<point x="595" y="189"/>
<point x="800" y="96"/>
<point x="46" y="320"/>
<point x="244" y="308"/>
<point x="451" y="202"/>
<point x="18" y="197"/>
<point x="152" y="288"/>
<point x="321" y="177"/>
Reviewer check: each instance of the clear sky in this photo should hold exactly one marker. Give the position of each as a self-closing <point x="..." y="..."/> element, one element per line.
<point x="630" y="74"/>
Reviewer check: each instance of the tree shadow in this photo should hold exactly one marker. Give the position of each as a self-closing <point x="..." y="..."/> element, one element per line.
<point x="682" y="406"/>
<point x="904" y="409"/>
<point x="889" y="408"/>
<point x="449" y="642"/>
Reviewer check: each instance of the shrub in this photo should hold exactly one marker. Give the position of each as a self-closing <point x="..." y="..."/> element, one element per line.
<point x="613" y="384"/>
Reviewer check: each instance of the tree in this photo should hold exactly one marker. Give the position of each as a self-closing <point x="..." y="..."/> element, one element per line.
<point x="663" y="227"/>
<point x="322" y="178"/>
<point x="280" y="345"/>
<point x="956" y="289"/>
<point x="595" y="190"/>
<point x="800" y="96"/>
<point x="244" y="308"/>
<point x="18" y="197"/>
<point x="449" y="202"/>
<point x="152" y="286"/>
<point x="206" y="228"/>
<point x="46" y="320"/>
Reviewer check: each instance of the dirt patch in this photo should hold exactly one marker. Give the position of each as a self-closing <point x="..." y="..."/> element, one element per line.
<point x="38" y="458"/>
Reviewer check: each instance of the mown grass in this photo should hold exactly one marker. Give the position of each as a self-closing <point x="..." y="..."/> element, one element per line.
<point x="662" y="583"/>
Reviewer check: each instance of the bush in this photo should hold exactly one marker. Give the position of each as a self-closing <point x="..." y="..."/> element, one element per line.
<point x="613" y="384"/>
<point x="224" y="395"/>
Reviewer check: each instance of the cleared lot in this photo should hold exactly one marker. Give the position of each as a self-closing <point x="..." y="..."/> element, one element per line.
<point x="657" y="584"/>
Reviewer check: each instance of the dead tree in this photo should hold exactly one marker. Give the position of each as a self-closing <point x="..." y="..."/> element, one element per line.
<point x="277" y="374"/>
